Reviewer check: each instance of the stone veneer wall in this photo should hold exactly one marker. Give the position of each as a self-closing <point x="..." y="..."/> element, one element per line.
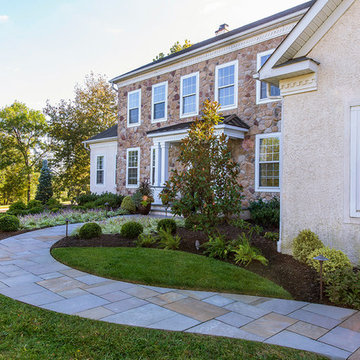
<point x="262" y="118"/>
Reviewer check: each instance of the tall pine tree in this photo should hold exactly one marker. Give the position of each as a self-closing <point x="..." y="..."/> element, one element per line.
<point x="44" y="190"/>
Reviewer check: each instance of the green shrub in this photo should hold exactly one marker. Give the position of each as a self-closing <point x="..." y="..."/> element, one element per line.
<point x="196" y="222"/>
<point x="86" y="198"/>
<point x="35" y="210"/>
<point x="305" y="243"/>
<point x="90" y="230"/>
<point x="53" y="203"/>
<point x="337" y="260"/>
<point x="273" y="236"/>
<point x="9" y="223"/>
<point x="54" y="210"/>
<point x="137" y="198"/>
<point x="92" y="201"/>
<point x="128" y="204"/>
<point x="241" y="224"/>
<point x="131" y="230"/>
<point x="34" y="204"/>
<point x="255" y="229"/>
<point x="168" y="241"/>
<point x="343" y="287"/>
<point x="217" y="247"/>
<point x="19" y="205"/>
<point x="89" y="205"/>
<point x="265" y="213"/>
<point x="167" y="224"/>
<point x="245" y="253"/>
<point x="145" y="240"/>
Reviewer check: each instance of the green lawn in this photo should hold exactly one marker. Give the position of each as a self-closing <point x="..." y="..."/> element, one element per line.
<point x="168" y="268"/>
<point x="31" y="333"/>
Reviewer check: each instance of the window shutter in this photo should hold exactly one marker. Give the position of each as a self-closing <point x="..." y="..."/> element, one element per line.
<point x="355" y="162"/>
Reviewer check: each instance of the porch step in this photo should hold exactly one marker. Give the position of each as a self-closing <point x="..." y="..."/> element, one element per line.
<point x="159" y="209"/>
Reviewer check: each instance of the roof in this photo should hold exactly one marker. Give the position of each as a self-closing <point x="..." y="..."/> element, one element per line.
<point x="220" y="37"/>
<point x="108" y="133"/>
<point x="232" y="120"/>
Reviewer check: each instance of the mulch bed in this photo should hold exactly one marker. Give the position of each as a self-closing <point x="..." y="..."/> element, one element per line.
<point x="4" y="235"/>
<point x="301" y="281"/>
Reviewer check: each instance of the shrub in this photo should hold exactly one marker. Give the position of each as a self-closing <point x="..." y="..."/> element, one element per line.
<point x="241" y="224"/>
<point x="131" y="230"/>
<point x="168" y="241"/>
<point x="85" y="198"/>
<point x="90" y="230"/>
<point x="89" y="205"/>
<point x="265" y="213"/>
<point x="217" y="247"/>
<point x="9" y="223"/>
<point x="197" y="222"/>
<point x="35" y="210"/>
<point x="19" y="205"/>
<point x="137" y="199"/>
<point x="337" y="260"/>
<point x="34" y="204"/>
<point x="255" y="229"/>
<point x="97" y="200"/>
<point x="128" y="204"/>
<point x="167" y="224"/>
<point x="245" y="253"/>
<point x="273" y="236"/>
<point x="305" y="243"/>
<point x="145" y="240"/>
<point x="53" y="203"/>
<point x="44" y="189"/>
<point x="54" y="210"/>
<point x="343" y="287"/>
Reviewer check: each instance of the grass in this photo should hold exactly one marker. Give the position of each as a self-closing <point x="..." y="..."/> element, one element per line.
<point x="168" y="268"/>
<point x="30" y="333"/>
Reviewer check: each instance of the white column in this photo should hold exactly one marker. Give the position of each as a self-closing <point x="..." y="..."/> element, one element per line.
<point x="164" y="162"/>
<point x="157" y="163"/>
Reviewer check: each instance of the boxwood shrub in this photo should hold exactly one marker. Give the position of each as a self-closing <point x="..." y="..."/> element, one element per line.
<point x="9" y="223"/>
<point x="90" y="230"/>
<point x="167" y="224"/>
<point x="131" y="230"/>
<point x="128" y="204"/>
<point x="305" y="243"/>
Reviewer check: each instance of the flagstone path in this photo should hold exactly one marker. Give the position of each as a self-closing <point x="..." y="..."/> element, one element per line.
<point x="29" y="273"/>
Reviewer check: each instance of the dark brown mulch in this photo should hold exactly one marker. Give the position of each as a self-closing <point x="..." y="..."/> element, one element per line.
<point x="298" y="279"/>
<point x="4" y="235"/>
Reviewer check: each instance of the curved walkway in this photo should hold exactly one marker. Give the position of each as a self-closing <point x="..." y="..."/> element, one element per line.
<point x="29" y="273"/>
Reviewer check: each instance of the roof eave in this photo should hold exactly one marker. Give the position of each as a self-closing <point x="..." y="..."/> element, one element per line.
<point x="109" y="139"/>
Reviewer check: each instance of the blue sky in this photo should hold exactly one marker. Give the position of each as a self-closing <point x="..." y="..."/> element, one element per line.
<point x="47" y="46"/>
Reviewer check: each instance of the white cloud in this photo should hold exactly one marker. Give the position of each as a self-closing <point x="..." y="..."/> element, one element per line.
<point x="3" y="18"/>
<point x="212" y="6"/>
<point x="114" y="30"/>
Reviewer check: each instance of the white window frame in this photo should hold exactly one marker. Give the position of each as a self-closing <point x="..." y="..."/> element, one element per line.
<point x="115" y="170"/>
<point x="128" y="108"/>
<point x="258" y="82"/>
<point x="236" y="79"/>
<point x="165" y="83"/>
<point x="96" y="170"/>
<point x="257" y="162"/>
<point x="132" y="186"/>
<point x="196" y="112"/>
<point x="354" y="160"/>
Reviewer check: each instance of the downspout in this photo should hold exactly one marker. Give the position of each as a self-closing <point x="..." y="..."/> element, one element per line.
<point x="84" y="142"/>
<point x="281" y="176"/>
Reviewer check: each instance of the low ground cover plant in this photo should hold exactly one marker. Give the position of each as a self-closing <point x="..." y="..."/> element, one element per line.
<point x="245" y="253"/>
<point x="168" y="241"/>
<point x="90" y="231"/>
<point x="273" y="236"/>
<point x="304" y="244"/>
<point x="131" y="230"/>
<point x="217" y="247"/>
<point x="145" y="240"/>
<point x="265" y="213"/>
<point x="9" y="223"/>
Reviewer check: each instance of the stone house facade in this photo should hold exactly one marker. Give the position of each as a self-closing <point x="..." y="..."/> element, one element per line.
<point x="159" y="100"/>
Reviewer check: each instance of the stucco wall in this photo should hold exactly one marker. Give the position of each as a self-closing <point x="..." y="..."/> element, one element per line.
<point x="108" y="150"/>
<point x="315" y="134"/>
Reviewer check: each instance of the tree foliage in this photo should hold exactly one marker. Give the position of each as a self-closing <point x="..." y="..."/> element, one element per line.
<point x="94" y="109"/>
<point x="174" y="49"/>
<point x="206" y="181"/>
<point x="44" y="190"/>
<point x="22" y="145"/>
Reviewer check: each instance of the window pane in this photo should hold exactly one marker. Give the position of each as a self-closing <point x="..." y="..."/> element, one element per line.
<point x="133" y="158"/>
<point x="189" y="104"/>
<point x="159" y="110"/>
<point x="274" y="90"/>
<point x="264" y="58"/>
<point x="226" y="76"/>
<point x="100" y="163"/>
<point x="134" y="100"/>
<point x="263" y="90"/>
<point x="159" y="93"/>
<point x="189" y="86"/>
<point x="226" y="96"/>
<point x="134" y="116"/>
<point x="269" y="175"/>
<point x="100" y="176"/>
<point x="132" y="176"/>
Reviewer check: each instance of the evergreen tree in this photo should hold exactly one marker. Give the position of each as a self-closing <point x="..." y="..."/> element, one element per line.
<point x="44" y="190"/>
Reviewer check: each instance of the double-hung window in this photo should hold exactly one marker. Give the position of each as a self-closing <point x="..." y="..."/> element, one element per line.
<point x="134" y="107"/>
<point x="189" y="95"/>
<point x="226" y="85"/>
<point x="267" y="162"/>
<point x="100" y="170"/>
<point x="261" y="86"/>
<point x="132" y="167"/>
<point x="159" y="102"/>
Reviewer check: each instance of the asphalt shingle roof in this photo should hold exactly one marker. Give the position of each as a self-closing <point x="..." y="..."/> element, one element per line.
<point x="108" y="133"/>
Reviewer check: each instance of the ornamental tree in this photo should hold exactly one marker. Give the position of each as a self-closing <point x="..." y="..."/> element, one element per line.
<point x="207" y="180"/>
<point x="44" y="190"/>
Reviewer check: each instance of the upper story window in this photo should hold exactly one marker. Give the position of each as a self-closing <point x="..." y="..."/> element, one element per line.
<point x="226" y="85"/>
<point x="100" y="170"/>
<point x="189" y="95"/>
<point x="134" y="106"/>
<point x="159" y="102"/>
<point x="261" y="86"/>
<point x="267" y="162"/>
<point x="132" y="167"/>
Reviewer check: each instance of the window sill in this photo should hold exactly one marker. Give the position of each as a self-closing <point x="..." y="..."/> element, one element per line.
<point x="231" y="107"/>
<point x="268" y="189"/>
<point x="189" y="115"/>
<point x="266" y="101"/>
<point x="154" y="121"/>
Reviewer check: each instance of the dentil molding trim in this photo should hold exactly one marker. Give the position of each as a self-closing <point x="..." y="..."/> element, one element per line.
<point x="299" y="84"/>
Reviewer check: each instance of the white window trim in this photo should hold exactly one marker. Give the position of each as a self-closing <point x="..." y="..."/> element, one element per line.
<point x="258" y="82"/>
<point x="116" y="159"/>
<point x="132" y="186"/>
<point x="236" y="76"/>
<point x="153" y="103"/>
<point x="257" y="153"/>
<point x="96" y="169"/>
<point x="128" y="108"/>
<point x="196" y="112"/>
<point x="354" y="162"/>
<point x="154" y="148"/>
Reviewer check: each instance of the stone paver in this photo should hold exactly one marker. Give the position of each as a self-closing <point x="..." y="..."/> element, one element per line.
<point x="29" y="273"/>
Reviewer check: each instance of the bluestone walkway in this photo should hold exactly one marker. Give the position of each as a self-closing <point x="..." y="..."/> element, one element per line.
<point x="29" y="273"/>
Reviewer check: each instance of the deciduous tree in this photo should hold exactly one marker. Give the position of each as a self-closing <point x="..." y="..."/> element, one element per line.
<point x="175" y="48"/>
